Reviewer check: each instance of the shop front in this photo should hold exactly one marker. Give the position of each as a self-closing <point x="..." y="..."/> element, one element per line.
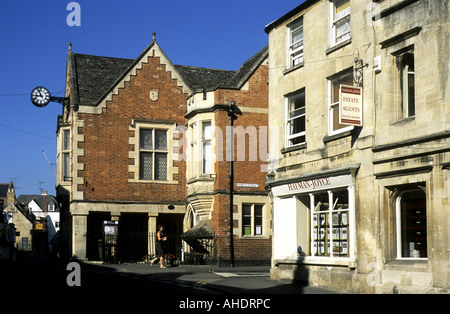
<point x="314" y="222"/>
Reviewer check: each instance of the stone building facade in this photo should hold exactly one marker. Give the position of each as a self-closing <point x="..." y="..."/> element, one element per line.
<point x="361" y="204"/>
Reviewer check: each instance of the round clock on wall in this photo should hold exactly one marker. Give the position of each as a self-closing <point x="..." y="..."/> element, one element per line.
<point x="40" y="96"/>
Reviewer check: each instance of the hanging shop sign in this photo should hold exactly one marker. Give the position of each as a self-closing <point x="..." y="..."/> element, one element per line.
<point x="350" y="105"/>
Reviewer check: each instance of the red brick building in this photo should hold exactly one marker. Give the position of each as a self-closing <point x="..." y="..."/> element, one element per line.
<point x="122" y="141"/>
<point x="208" y="170"/>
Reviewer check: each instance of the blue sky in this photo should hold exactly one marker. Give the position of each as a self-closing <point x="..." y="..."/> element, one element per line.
<point x="34" y="42"/>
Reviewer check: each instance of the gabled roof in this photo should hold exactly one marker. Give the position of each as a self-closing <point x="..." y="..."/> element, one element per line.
<point x="93" y="78"/>
<point x="247" y="69"/>
<point x="41" y="200"/>
<point x="95" y="75"/>
<point x="4" y="189"/>
<point x="203" y="78"/>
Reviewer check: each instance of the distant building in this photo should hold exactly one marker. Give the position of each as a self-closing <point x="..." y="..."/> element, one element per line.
<point x="14" y="214"/>
<point x="44" y="209"/>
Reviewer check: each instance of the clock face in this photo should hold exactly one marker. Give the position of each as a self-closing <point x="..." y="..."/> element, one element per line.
<point x="40" y="96"/>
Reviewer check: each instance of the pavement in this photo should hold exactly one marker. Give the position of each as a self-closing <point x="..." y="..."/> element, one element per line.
<point x="213" y="279"/>
<point x="205" y="288"/>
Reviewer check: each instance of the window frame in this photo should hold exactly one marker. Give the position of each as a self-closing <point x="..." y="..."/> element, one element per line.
<point x="253" y="225"/>
<point x="333" y="104"/>
<point x="408" y="104"/>
<point x="65" y="153"/>
<point x="330" y="225"/>
<point x="336" y="18"/>
<point x="206" y="141"/>
<point x="399" y="224"/>
<point x="153" y="151"/>
<point x="288" y="119"/>
<point x="295" y="53"/>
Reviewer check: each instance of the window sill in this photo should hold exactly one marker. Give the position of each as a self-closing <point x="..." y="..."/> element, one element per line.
<point x="153" y="181"/>
<point x="202" y="178"/>
<point x="330" y="138"/>
<point x="404" y="121"/>
<point x="293" y="148"/>
<point x="418" y="264"/>
<point x="318" y="261"/>
<point x="291" y="69"/>
<point x="255" y="237"/>
<point x="338" y="46"/>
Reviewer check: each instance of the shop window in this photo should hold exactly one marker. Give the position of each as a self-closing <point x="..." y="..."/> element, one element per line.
<point x="411" y="212"/>
<point x="340" y="21"/>
<point x="252" y="219"/>
<point x="295" y="46"/>
<point x="345" y="78"/>
<point x="330" y="224"/>
<point x="296" y="119"/>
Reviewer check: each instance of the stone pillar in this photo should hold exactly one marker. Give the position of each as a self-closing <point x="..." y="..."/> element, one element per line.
<point x="79" y="230"/>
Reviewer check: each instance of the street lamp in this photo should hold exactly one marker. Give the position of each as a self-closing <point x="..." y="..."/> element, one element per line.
<point x="232" y="111"/>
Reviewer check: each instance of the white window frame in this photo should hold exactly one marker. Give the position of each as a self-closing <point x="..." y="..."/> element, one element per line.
<point x="294" y="54"/>
<point x="206" y="155"/>
<point x="332" y="105"/>
<point x="351" y="223"/>
<point x="252" y="220"/>
<point x="335" y="19"/>
<point x="289" y="137"/>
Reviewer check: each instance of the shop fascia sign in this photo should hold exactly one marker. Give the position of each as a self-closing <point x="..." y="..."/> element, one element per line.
<point x="350" y="105"/>
<point x="312" y="185"/>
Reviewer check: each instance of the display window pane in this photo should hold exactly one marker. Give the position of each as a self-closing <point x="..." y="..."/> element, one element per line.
<point x="413" y="225"/>
<point x="330" y="224"/>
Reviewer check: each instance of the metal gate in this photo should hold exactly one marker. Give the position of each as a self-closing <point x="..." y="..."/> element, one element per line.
<point x="139" y="247"/>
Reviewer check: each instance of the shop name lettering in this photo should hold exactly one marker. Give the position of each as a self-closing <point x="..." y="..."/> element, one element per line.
<point x="309" y="184"/>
